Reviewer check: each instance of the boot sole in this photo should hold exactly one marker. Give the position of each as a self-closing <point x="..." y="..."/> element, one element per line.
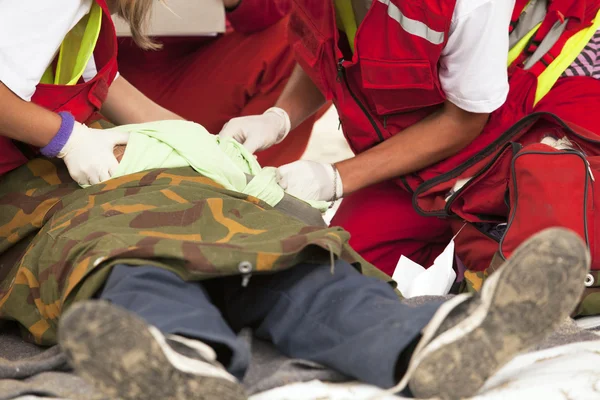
<point x="118" y="354"/>
<point x="537" y="289"/>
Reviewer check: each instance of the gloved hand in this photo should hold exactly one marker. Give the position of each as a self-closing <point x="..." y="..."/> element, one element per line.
<point x="310" y="180"/>
<point x="88" y="153"/>
<point x="258" y="132"/>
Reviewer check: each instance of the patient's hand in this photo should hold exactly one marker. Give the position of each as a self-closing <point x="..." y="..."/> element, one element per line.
<point x="119" y="151"/>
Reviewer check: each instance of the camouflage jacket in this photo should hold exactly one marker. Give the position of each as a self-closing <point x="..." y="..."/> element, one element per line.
<point x="58" y="242"/>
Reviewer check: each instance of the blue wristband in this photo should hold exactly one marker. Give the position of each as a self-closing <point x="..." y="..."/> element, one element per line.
<point x="59" y="140"/>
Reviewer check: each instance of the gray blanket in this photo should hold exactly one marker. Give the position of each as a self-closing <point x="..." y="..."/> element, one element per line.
<point x="29" y="372"/>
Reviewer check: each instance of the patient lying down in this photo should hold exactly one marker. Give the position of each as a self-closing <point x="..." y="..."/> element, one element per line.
<point x="145" y="282"/>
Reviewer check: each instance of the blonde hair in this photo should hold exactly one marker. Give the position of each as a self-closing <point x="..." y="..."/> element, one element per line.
<point x="136" y="13"/>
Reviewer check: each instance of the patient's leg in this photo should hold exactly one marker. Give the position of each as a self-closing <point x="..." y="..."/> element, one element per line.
<point x="113" y="349"/>
<point x="177" y="307"/>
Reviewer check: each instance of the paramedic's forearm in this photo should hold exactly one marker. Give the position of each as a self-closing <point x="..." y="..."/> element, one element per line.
<point x="25" y="121"/>
<point x="300" y="98"/>
<point x="433" y="139"/>
<point x="127" y="105"/>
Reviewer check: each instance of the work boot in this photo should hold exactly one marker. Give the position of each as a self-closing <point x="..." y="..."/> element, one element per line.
<point x="123" y="357"/>
<point x="472" y="336"/>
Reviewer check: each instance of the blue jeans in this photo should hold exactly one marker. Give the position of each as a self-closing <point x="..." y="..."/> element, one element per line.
<point x="346" y="321"/>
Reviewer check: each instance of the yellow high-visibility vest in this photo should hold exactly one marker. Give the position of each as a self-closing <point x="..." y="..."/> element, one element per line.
<point x="346" y="19"/>
<point x="76" y="50"/>
<point x="573" y="47"/>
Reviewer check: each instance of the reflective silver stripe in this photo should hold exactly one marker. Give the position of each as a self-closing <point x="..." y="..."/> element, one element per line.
<point x="413" y="26"/>
<point x="533" y="14"/>
<point x="547" y="43"/>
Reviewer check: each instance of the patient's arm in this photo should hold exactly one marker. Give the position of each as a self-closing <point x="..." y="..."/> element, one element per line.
<point x="119" y="151"/>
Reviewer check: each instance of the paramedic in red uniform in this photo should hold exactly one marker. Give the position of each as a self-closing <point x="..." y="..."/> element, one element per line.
<point x="210" y="80"/>
<point x="415" y="85"/>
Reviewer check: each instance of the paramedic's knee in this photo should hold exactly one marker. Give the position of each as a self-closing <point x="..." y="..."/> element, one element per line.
<point x="384" y="225"/>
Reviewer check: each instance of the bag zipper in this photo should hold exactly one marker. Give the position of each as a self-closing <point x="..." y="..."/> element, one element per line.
<point x="516" y="147"/>
<point x="585" y="193"/>
<point x="572" y="132"/>
<point x="342" y="76"/>
<point x="507" y="135"/>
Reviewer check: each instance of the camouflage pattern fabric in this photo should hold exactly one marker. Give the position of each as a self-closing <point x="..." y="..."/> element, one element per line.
<point x="67" y="238"/>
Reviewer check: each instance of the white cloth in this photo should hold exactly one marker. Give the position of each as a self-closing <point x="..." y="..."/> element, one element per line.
<point x="31" y="32"/>
<point x="473" y="69"/>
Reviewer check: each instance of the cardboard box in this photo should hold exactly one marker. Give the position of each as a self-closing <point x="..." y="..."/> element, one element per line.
<point x="185" y="18"/>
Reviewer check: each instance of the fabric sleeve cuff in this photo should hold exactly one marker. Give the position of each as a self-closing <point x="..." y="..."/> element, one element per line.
<point x="478" y="106"/>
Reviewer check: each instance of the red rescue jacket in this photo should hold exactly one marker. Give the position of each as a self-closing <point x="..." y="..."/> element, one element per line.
<point x="391" y="80"/>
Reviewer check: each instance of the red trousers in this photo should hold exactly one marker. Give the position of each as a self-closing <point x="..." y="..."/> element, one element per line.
<point x="211" y="80"/>
<point x="384" y="225"/>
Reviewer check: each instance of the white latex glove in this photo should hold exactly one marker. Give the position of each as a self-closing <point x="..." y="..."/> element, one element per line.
<point x="310" y="180"/>
<point x="258" y="132"/>
<point x="88" y="154"/>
